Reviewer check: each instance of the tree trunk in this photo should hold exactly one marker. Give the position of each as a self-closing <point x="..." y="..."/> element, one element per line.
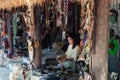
<point x="100" y="56"/>
<point x="37" y="40"/>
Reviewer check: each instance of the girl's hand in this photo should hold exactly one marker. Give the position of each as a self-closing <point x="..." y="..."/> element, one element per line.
<point x="64" y="59"/>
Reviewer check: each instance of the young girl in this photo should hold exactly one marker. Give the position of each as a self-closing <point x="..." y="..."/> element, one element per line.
<point x="68" y="60"/>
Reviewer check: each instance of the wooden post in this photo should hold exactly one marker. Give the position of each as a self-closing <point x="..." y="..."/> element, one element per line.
<point x="34" y="32"/>
<point x="10" y="36"/>
<point x="100" y="56"/>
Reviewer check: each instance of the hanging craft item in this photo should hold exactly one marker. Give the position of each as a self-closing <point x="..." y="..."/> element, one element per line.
<point x="65" y="13"/>
<point x="113" y="15"/>
<point x="74" y="11"/>
<point x="86" y="29"/>
<point x="87" y="22"/>
<point x="113" y="46"/>
<point x="3" y="33"/>
<point x="59" y="13"/>
<point x="14" y="23"/>
<point x="30" y="19"/>
<point x="30" y="49"/>
<point x="5" y="43"/>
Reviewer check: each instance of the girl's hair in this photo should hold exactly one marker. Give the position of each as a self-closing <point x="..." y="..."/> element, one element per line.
<point x="75" y="39"/>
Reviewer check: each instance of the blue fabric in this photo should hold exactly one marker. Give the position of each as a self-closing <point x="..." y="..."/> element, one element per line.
<point x="85" y="37"/>
<point x="26" y="34"/>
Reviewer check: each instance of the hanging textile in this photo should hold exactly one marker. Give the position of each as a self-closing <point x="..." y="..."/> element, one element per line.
<point x="4" y="29"/>
<point x="87" y="21"/>
<point x="113" y="16"/>
<point x="86" y="29"/>
<point x="65" y="13"/>
<point x="5" y="43"/>
<point x="19" y="33"/>
<point x="14" y="24"/>
<point x="74" y="16"/>
<point x="30" y="49"/>
<point x="59" y="13"/>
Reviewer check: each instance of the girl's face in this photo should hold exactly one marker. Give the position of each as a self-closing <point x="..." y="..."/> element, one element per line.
<point x="81" y="43"/>
<point x="70" y="41"/>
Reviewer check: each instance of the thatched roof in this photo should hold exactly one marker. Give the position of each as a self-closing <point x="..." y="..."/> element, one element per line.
<point x="15" y="3"/>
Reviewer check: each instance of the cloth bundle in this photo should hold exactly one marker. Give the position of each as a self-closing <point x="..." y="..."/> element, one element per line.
<point x="17" y="73"/>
